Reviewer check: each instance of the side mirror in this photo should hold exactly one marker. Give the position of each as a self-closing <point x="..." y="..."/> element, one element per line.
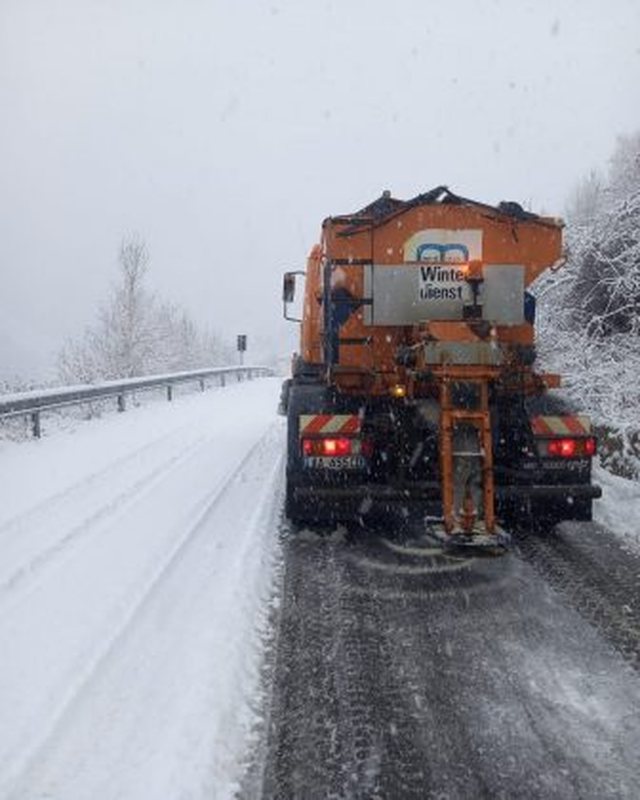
<point x="288" y="287"/>
<point x="289" y="292"/>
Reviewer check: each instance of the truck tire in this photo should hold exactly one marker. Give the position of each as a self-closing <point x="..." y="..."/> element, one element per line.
<point x="548" y="514"/>
<point x="582" y="510"/>
<point x="291" y="511"/>
<point x="294" y="510"/>
<point x="302" y="399"/>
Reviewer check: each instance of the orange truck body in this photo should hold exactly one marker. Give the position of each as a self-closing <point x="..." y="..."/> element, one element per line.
<point x="405" y="301"/>
<point x="351" y="241"/>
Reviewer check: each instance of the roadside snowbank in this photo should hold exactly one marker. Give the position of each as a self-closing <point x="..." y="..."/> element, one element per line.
<point x="619" y="508"/>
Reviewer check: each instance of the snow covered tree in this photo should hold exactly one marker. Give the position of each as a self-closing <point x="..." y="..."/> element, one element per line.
<point x="589" y="312"/>
<point x="605" y="238"/>
<point x="587" y="200"/>
<point x="136" y="334"/>
<point x="125" y="336"/>
<point x="120" y="345"/>
<point x="606" y="291"/>
<point x="624" y="173"/>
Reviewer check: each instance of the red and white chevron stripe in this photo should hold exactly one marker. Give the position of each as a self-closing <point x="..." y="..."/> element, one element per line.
<point x="329" y="424"/>
<point x="561" y="426"/>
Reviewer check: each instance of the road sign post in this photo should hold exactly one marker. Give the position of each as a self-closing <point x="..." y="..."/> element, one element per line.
<point x="242" y="346"/>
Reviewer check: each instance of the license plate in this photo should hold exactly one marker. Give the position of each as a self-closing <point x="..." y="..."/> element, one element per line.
<point x="335" y="462"/>
<point x="566" y="465"/>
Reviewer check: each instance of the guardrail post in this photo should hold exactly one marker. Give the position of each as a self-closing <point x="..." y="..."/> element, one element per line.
<point x="121" y="403"/>
<point x="222" y="379"/>
<point x="169" y="392"/>
<point x="35" y="424"/>
<point x="201" y="384"/>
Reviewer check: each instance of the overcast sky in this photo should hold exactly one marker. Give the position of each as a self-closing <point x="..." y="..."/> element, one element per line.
<point x="223" y="132"/>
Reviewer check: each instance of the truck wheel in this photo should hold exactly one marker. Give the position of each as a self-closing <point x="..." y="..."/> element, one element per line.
<point x="582" y="510"/>
<point x="547" y="514"/>
<point x="513" y="513"/>
<point x="302" y="399"/>
<point x="293" y="510"/>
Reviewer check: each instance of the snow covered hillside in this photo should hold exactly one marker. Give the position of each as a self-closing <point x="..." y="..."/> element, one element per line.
<point x="137" y="560"/>
<point x="619" y="507"/>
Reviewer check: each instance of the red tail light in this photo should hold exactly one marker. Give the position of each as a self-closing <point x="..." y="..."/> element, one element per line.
<point x="564" y="448"/>
<point x="327" y="447"/>
<point x="571" y="448"/>
<point x="337" y="446"/>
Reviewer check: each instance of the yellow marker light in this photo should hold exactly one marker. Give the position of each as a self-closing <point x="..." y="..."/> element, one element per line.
<point x="399" y="391"/>
<point x="474" y="270"/>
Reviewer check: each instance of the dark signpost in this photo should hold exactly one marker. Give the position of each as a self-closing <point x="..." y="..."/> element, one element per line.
<point x="242" y="345"/>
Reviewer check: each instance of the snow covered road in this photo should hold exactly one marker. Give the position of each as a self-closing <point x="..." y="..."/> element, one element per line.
<point x="141" y="565"/>
<point x="405" y="672"/>
<point x="137" y="556"/>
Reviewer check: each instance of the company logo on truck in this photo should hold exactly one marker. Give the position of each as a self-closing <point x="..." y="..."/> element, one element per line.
<point x="444" y="245"/>
<point x="430" y="251"/>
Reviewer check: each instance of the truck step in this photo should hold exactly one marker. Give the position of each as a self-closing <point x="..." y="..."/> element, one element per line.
<point x="495" y="543"/>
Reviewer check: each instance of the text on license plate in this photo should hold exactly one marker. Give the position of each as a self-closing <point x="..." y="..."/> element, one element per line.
<point x="335" y="462"/>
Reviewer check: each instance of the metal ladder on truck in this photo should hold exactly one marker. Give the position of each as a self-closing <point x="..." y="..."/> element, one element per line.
<point x="464" y="407"/>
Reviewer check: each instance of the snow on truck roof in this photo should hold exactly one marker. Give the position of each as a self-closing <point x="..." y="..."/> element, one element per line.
<point x="385" y="207"/>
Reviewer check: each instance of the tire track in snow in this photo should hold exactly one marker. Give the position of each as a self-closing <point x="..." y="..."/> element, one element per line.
<point x="109" y="646"/>
<point x="445" y="684"/>
<point x="27" y="573"/>
<point x="591" y="568"/>
<point x="43" y="508"/>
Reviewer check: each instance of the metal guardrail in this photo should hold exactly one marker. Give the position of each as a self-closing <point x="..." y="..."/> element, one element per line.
<point x="33" y="403"/>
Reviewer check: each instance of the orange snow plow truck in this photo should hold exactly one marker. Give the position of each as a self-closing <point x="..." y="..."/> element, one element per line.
<point x="414" y="388"/>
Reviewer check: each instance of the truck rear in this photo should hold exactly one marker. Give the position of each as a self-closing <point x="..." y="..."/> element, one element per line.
<point x="415" y="388"/>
